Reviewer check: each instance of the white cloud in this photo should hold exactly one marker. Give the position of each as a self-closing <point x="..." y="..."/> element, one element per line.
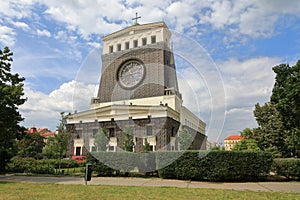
<point x="251" y="18"/>
<point x="22" y="25"/>
<point x="61" y="35"/>
<point x="182" y="15"/>
<point x="97" y="45"/>
<point x="44" y="109"/>
<point x="16" y="8"/>
<point x="245" y="82"/>
<point x="7" y="36"/>
<point x="249" y="81"/>
<point x="43" y="33"/>
<point x="234" y="18"/>
<point x="89" y="17"/>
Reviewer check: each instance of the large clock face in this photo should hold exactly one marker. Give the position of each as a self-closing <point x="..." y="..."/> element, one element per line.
<point x="131" y="74"/>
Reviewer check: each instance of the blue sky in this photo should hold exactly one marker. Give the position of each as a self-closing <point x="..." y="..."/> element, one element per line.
<point x="57" y="48"/>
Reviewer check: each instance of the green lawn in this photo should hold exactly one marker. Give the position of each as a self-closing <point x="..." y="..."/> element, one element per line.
<point x="20" y="190"/>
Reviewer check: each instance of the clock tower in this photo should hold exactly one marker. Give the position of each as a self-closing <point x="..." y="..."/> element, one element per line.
<point x="138" y="89"/>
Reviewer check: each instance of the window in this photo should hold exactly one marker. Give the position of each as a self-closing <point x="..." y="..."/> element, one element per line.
<point x="112" y="132"/>
<point x="144" y="41"/>
<point x="148" y="130"/>
<point x="111" y="49"/>
<point x="79" y="133"/>
<point x="95" y="131"/>
<point x="173" y="132"/>
<point x="78" y="151"/>
<point x="94" y="148"/>
<point x="126" y="45"/>
<point x="151" y="148"/>
<point x="135" y="43"/>
<point x="119" y="47"/>
<point x="111" y="148"/>
<point x="153" y="39"/>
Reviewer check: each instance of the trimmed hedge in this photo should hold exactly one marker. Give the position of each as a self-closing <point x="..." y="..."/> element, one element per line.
<point x="287" y="167"/>
<point x="31" y="165"/>
<point x="189" y="165"/>
<point x="109" y="163"/>
<point x="180" y="165"/>
<point x="123" y="161"/>
<point x="217" y="165"/>
<point x="98" y="167"/>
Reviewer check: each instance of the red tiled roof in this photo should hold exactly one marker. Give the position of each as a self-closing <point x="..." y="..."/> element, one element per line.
<point x="234" y="137"/>
<point x="32" y="130"/>
<point x="42" y="131"/>
<point x="48" y="134"/>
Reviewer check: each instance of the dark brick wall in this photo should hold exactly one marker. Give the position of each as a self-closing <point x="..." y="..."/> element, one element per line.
<point x="198" y="141"/>
<point x="158" y="73"/>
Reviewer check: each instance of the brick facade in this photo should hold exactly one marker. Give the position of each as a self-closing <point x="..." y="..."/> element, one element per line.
<point x="158" y="68"/>
<point x="162" y="129"/>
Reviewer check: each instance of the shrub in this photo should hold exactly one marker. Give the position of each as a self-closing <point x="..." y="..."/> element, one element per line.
<point x="216" y="165"/>
<point x="287" y="167"/>
<point x="123" y="161"/>
<point x="237" y="165"/>
<point x="146" y="162"/>
<point x="29" y="165"/>
<point x="188" y="166"/>
<point x="98" y="167"/>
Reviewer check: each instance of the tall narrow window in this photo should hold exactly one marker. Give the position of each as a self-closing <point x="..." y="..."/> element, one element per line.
<point x="94" y="148"/>
<point x="79" y="133"/>
<point x="111" y="49"/>
<point x="119" y="47"/>
<point x="153" y="39"/>
<point x="135" y="43"/>
<point x="148" y="130"/>
<point x="151" y="148"/>
<point x="173" y="132"/>
<point x="112" y="132"/>
<point x="144" y="41"/>
<point x="95" y="131"/>
<point x="78" y="151"/>
<point x="126" y="45"/>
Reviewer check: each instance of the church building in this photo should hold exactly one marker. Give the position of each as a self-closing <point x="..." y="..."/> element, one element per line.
<point x="138" y="89"/>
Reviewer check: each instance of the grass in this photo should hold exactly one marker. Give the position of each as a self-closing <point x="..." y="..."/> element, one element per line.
<point x="20" y="190"/>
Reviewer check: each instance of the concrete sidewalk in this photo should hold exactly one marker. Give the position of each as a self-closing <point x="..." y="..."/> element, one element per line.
<point x="291" y="187"/>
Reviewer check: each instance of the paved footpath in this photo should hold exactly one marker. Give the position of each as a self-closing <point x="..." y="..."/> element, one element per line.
<point x="292" y="187"/>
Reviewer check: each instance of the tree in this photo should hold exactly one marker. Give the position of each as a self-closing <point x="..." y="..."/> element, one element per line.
<point x="57" y="146"/>
<point x="11" y="96"/>
<point x="128" y="143"/>
<point x="185" y="139"/>
<point x="101" y="140"/>
<point x="279" y="120"/>
<point x="247" y="133"/>
<point x="286" y="98"/>
<point x="286" y="94"/>
<point x="248" y="142"/>
<point x="247" y="145"/>
<point x="293" y="142"/>
<point x="146" y="147"/>
<point x="270" y="133"/>
<point x="31" y="145"/>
